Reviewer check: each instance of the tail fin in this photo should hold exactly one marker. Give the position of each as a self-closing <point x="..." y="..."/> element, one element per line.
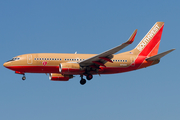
<point x="149" y="45"/>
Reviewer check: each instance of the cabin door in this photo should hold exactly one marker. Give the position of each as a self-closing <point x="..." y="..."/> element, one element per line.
<point x="29" y="59"/>
<point x="132" y="61"/>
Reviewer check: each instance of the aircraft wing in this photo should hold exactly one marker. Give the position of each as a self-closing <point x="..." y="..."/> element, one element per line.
<point x="106" y="56"/>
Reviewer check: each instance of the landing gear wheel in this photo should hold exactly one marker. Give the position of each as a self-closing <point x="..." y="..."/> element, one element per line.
<point x="23" y="78"/>
<point x="82" y="81"/>
<point x="89" y="76"/>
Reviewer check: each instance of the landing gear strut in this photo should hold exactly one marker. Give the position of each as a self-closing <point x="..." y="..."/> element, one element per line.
<point x="21" y="73"/>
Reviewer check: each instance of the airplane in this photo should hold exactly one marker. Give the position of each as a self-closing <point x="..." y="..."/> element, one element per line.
<point x="62" y="67"/>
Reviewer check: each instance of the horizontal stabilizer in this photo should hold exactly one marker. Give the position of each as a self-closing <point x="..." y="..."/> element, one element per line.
<point x="158" y="56"/>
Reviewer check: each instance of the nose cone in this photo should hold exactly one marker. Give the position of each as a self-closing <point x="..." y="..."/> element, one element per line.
<point x="6" y="64"/>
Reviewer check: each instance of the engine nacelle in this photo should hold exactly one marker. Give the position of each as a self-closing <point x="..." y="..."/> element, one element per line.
<point x="59" y="77"/>
<point x="70" y="68"/>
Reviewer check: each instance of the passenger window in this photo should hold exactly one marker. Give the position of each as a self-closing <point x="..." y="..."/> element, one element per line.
<point x="125" y="60"/>
<point x="44" y="58"/>
<point x="47" y="58"/>
<point x="57" y="58"/>
<point x="60" y="58"/>
<point x="65" y="59"/>
<point x="39" y="58"/>
<point x="34" y="58"/>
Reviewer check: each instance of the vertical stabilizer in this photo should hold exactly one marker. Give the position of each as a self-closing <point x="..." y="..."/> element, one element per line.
<point x="149" y="45"/>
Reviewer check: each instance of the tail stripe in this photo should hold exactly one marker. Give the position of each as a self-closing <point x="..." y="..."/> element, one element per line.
<point x="153" y="42"/>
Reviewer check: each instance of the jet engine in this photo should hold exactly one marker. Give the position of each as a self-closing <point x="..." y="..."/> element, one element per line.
<point x="59" y="77"/>
<point x="70" y="68"/>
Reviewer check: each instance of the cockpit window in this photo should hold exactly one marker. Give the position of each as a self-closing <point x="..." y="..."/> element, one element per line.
<point x="14" y="59"/>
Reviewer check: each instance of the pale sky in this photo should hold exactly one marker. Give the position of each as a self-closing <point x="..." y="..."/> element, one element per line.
<point x="67" y="26"/>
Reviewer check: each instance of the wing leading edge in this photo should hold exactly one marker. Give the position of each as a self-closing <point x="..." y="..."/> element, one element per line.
<point x="106" y="56"/>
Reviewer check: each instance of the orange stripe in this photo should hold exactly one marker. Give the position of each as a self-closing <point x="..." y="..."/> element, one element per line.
<point x="154" y="51"/>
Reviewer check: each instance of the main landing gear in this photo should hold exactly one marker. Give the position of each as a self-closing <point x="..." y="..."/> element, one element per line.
<point x="88" y="77"/>
<point x="82" y="81"/>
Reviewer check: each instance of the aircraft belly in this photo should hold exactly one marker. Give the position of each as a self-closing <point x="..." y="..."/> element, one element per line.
<point x="36" y="69"/>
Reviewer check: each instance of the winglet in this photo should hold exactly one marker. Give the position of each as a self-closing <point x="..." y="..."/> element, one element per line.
<point x="131" y="39"/>
<point x="157" y="57"/>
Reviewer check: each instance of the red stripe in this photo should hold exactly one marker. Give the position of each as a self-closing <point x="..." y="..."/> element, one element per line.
<point x="35" y="69"/>
<point x="55" y="69"/>
<point x="152" y="43"/>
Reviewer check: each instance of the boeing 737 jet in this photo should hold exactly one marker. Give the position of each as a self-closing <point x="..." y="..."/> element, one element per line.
<point x="62" y="67"/>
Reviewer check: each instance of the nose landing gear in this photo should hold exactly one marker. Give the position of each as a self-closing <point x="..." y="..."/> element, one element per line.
<point x="23" y="78"/>
<point x="21" y="73"/>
